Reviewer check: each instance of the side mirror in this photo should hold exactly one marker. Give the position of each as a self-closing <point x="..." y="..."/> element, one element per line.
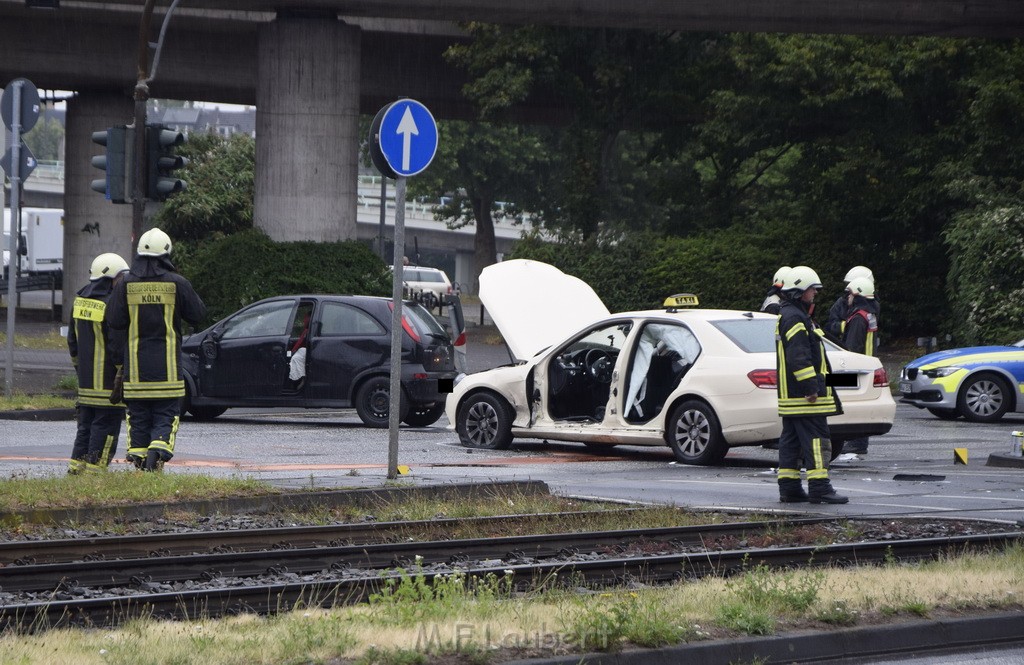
<point x="209" y="347"/>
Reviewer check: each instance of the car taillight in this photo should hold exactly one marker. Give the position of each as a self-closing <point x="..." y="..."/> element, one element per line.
<point x="764" y="378"/>
<point x="407" y="325"/>
<point x="881" y="378"/>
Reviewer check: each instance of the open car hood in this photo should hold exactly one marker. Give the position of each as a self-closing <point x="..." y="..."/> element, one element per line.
<point x="535" y="304"/>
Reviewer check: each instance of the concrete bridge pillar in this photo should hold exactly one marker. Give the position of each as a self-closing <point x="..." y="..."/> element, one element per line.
<point x="92" y="224"/>
<point x="307" y="125"/>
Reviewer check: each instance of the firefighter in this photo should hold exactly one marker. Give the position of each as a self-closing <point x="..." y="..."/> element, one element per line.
<point x="859" y="336"/>
<point x="150" y="304"/>
<point x="805" y="397"/>
<point x="96" y="352"/>
<point x="840" y="309"/>
<point x="774" y="297"/>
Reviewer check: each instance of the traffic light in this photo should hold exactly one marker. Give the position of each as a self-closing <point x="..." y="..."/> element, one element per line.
<point x="161" y="162"/>
<point x="116" y="161"/>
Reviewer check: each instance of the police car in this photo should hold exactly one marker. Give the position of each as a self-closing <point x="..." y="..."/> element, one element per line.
<point x="980" y="383"/>
<point x="252" y="359"/>
<point x="700" y="381"/>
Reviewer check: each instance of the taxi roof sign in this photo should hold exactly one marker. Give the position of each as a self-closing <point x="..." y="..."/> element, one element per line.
<point x="680" y="300"/>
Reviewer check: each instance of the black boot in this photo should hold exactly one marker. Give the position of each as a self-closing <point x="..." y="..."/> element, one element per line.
<point x="791" y="491"/>
<point x="154" y="461"/>
<point x="821" y="491"/>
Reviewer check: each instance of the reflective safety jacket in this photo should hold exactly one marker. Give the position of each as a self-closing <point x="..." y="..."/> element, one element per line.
<point x="96" y="350"/>
<point x="861" y="326"/>
<point x="802" y="364"/>
<point x="150" y="304"/>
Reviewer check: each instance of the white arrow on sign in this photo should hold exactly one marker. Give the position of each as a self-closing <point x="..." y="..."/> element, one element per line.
<point x="407" y="127"/>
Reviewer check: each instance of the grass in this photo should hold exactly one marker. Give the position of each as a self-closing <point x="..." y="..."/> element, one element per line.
<point x="120" y="488"/>
<point x="482" y="621"/>
<point x="22" y="402"/>
<point x="49" y="341"/>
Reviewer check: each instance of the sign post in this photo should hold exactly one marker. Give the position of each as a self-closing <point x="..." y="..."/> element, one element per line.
<point x="403" y="142"/>
<point x="19" y="107"/>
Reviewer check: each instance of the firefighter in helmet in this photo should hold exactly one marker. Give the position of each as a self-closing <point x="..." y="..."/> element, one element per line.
<point x="805" y="397"/>
<point x="96" y="352"/>
<point x="773" y="299"/>
<point x="150" y="304"/>
<point x="860" y="335"/>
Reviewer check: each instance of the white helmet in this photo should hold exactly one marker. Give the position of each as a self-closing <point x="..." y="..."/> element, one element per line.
<point x="801" y="278"/>
<point x="780" y="275"/>
<point x="862" y="286"/>
<point x="154" y="242"/>
<point x="107" y="265"/>
<point x="858" y="271"/>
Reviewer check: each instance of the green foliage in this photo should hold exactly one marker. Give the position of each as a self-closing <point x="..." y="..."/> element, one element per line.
<point x="413" y="598"/>
<point x="233" y="271"/>
<point x="785" y="591"/>
<point x="46" y="139"/>
<point x="987" y="273"/>
<point x="605" y="623"/>
<point x="221" y="186"/>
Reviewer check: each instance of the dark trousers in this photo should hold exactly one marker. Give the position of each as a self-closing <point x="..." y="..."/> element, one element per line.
<point x="152" y="425"/>
<point x="805" y="443"/>
<point x="96" y="438"/>
<point x="856" y="445"/>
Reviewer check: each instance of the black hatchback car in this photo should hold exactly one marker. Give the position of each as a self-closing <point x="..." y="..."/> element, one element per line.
<point x="253" y="359"/>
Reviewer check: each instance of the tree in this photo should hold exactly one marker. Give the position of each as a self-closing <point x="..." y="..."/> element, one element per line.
<point x="218" y="199"/>
<point x="482" y="170"/>
<point x="46" y="140"/>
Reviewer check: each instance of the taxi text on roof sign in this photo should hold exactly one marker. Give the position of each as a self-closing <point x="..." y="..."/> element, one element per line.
<point x="680" y="300"/>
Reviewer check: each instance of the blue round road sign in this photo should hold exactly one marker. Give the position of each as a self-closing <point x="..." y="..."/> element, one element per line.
<point x="408" y="137"/>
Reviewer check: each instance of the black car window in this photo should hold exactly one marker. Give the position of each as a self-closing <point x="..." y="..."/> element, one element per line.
<point x="751" y="335"/>
<point x="341" y="319"/>
<point x="262" y="320"/>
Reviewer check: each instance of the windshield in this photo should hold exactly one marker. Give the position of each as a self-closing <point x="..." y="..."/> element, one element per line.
<point x="751" y="335"/>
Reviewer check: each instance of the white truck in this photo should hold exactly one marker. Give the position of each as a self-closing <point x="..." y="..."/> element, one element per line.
<point x="43" y="233"/>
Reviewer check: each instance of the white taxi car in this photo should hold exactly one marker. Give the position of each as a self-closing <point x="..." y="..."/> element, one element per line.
<point x="697" y="380"/>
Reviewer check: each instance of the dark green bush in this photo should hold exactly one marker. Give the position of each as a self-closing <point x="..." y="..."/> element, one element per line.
<point x="233" y="271"/>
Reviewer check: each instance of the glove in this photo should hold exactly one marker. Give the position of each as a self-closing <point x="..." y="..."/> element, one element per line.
<point x="117" y="393"/>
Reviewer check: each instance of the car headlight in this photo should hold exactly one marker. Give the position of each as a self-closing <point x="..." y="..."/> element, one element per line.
<point x="939" y="372"/>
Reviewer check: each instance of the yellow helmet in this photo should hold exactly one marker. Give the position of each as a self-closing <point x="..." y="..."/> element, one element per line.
<point x="862" y="286"/>
<point x="801" y="278"/>
<point x="154" y="242"/>
<point x="107" y="265"/>
<point x="858" y="271"/>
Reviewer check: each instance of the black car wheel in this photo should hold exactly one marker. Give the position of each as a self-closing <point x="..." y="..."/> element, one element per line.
<point x="424" y="417"/>
<point x="373" y="402"/>
<point x="199" y="412"/>
<point x="694" y="434"/>
<point x="983" y="398"/>
<point x="485" y="421"/>
<point x="945" y="414"/>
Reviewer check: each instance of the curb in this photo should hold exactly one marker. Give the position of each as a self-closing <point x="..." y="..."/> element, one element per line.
<point x="38" y="414"/>
<point x="1008" y="461"/>
<point x="917" y="637"/>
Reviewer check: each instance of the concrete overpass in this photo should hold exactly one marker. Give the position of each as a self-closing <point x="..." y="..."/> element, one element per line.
<point x="312" y="66"/>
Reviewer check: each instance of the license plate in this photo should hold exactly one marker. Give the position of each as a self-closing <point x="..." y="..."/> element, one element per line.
<point x="905" y="387"/>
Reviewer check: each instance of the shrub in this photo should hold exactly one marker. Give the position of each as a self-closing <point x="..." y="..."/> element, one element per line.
<point x="233" y="271"/>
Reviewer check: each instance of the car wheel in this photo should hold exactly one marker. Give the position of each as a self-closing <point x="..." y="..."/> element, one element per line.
<point x="694" y="434"/>
<point x="373" y="402"/>
<point x="945" y="414"/>
<point x="983" y="398"/>
<point x="206" y="412"/>
<point x="424" y="417"/>
<point x="199" y="412"/>
<point x="485" y="421"/>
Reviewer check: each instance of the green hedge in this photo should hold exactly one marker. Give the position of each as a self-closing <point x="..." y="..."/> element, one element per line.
<point x="233" y="271"/>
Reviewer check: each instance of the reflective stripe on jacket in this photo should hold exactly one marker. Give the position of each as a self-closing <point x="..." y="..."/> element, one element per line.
<point x="802" y="364"/>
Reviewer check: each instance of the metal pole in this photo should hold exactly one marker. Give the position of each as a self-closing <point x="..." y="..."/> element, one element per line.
<point x="139" y="149"/>
<point x="383" y="214"/>
<point x="396" y="329"/>
<point x="15" y="259"/>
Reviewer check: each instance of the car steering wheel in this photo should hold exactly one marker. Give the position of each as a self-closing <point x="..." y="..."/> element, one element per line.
<point x="599" y="365"/>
